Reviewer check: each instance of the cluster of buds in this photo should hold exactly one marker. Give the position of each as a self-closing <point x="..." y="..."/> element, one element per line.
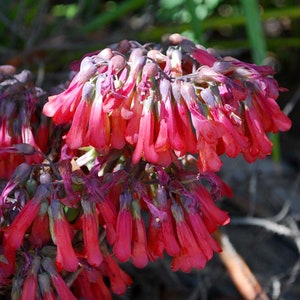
<point x="130" y="174"/>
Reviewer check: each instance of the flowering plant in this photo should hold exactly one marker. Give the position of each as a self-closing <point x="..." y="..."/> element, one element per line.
<point x="121" y="165"/>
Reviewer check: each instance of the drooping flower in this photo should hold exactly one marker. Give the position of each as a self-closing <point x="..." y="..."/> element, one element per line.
<point x="119" y="280"/>
<point x="30" y="287"/>
<point x="14" y="234"/>
<point x="164" y="105"/>
<point x="90" y="228"/>
<point x="139" y="251"/>
<point x="61" y="233"/>
<point x="60" y="285"/>
<point x="122" y="247"/>
<point x="40" y="233"/>
<point x="76" y="135"/>
<point x="45" y="287"/>
<point x="62" y="108"/>
<point x="90" y="285"/>
<point x="167" y="230"/>
<point x="190" y="255"/>
<point x="212" y="214"/>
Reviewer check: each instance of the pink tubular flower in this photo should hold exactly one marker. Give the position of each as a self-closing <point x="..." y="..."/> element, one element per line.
<point x="61" y="287"/>
<point x="62" y="237"/>
<point x="61" y="108"/>
<point x="117" y="277"/>
<point x="145" y="146"/>
<point x="40" y="233"/>
<point x="105" y="208"/>
<point x="190" y="255"/>
<point x="43" y="133"/>
<point x="193" y="215"/>
<point x="90" y="228"/>
<point x="212" y="215"/>
<point x="205" y="241"/>
<point x="76" y="135"/>
<point x="260" y="145"/>
<point x="154" y="239"/>
<point x="45" y="287"/>
<point x="139" y="252"/>
<point x="118" y="126"/>
<point x="98" y="132"/>
<point x="182" y="119"/>
<point x="30" y="286"/>
<point x="187" y="100"/>
<point x="122" y="247"/>
<point x="169" y="135"/>
<point x="277" y="120"/>
<point x="167" y="227"/>
<point x="14" y="234"/>
<point x="91" y="286"/>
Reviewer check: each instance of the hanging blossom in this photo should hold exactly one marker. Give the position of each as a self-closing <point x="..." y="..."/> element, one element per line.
<point x="21" y="120"/>
<point x="168" y="103"/>
<point x="128" y="173"/>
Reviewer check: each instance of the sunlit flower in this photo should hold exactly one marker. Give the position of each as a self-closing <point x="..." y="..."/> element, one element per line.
<point x="167" y="106"/>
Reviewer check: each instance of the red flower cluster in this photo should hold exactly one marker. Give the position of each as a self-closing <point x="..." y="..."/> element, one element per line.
<point x="185" y="100"/>
<point x="129" y="176"/>
<point x="182" y="217"/>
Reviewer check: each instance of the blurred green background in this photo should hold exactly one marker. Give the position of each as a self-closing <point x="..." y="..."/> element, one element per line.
<point x="50" y="34"/>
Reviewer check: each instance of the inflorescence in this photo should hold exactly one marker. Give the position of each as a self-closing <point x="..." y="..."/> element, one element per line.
<point x="120" y="166"/>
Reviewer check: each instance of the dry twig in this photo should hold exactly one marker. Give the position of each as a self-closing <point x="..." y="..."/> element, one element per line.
<point x="239" y="272"/>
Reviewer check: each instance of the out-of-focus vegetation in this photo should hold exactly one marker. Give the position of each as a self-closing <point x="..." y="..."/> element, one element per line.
<point x="32" y="30"/>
